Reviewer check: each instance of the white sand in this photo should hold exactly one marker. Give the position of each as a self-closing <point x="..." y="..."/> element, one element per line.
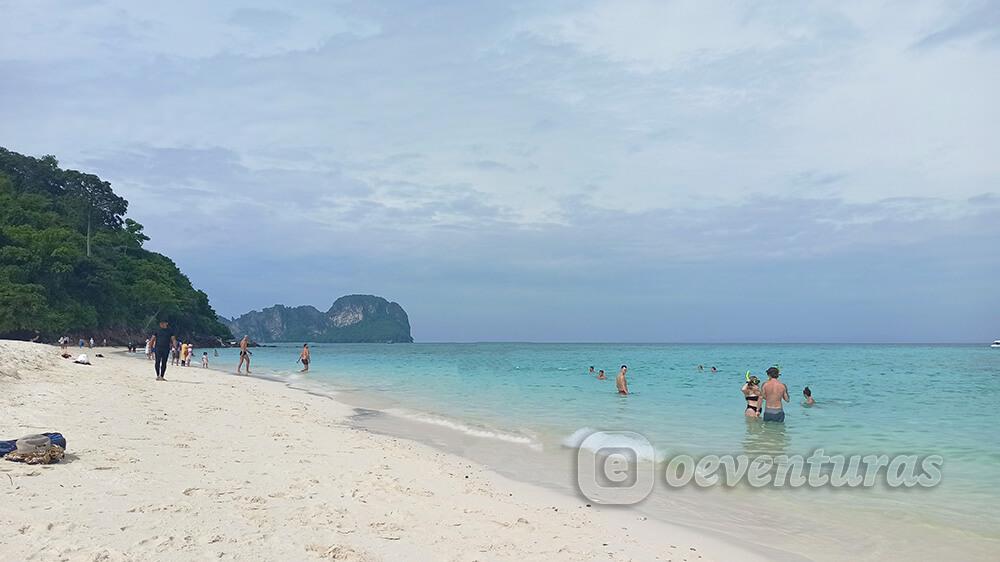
<point x="214" y="466"/>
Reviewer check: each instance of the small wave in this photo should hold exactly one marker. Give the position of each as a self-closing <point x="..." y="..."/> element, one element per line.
<point x="596" y="441"/>
<point x="474" y="431"/>
<point x="576" y="438"/>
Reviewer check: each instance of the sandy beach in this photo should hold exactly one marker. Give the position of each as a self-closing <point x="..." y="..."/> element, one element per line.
<point x="208" y="465"/>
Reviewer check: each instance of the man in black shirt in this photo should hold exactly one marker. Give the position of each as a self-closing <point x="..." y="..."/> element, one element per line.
<point x="163" y="341"/>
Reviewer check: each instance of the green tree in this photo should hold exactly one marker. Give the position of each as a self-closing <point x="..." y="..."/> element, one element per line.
<point x="71" y="262"/>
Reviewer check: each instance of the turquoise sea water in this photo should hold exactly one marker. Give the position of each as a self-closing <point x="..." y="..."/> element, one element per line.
<point x="871" y="399"/>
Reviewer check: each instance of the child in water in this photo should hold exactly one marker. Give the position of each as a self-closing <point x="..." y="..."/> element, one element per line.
<point x="809" y="396"/>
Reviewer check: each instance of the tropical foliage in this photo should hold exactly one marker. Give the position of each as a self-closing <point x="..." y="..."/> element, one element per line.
<point x="71" y="263"/>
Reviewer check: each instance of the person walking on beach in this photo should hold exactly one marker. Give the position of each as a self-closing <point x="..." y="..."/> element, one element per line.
<point x="774" y="392"/>
<point x="621" y="382"/>
<point x="304" y="358"/>
<point x="162" y="342"/>
<point x="244" y="355"/>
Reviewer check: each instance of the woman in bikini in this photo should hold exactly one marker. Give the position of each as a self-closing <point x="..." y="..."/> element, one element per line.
<point x="751" y="391"/>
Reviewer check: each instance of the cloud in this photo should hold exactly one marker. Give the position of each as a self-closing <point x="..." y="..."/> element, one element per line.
<point x="508" y="156"/>
<point x="981" y="24"/>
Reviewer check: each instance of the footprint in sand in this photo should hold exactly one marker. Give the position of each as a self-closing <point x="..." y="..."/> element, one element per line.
<point x="386" y="530"/>
<point x="338" y="552"/>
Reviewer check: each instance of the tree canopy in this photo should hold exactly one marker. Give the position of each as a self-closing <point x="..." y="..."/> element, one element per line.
<point x="50" y="286"/>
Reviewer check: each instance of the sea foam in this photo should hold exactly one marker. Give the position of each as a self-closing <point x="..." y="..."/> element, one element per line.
<point x="594" y="440"/>
<point x="468" y="429"/>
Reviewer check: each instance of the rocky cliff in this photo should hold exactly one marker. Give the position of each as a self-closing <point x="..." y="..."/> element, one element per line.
<point x="351" y="319"/>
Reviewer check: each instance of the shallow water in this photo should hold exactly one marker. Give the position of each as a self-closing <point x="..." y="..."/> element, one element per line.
<point x="871" y="399"/>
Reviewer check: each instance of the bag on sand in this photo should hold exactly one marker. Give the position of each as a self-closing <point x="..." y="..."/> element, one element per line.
<point x="45" y="448"/>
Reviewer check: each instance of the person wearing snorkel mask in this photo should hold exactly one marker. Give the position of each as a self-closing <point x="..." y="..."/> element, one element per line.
<point x="751" y="391"/>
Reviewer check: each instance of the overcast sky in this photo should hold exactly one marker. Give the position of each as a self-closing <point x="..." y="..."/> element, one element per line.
<point x="544" y="171"/>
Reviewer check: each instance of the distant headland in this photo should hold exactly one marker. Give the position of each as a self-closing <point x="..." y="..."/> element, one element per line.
<point x="351" y="319"/>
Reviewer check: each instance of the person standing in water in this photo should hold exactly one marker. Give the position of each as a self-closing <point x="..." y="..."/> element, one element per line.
<point x="774" y="392"/>
<point x="304" y="358"/>
<point x="809" y="396"/>
<point x="162" y="342"/>
<point x="244" y="355"/>
<point x="751" y="391"/>
<point x="621" y="382"/>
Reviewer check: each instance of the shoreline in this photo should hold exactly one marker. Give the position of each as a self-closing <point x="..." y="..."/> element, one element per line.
<point x="203" y="465"/>
<point x="497" y="454"/>
<point x="812" y="524"/>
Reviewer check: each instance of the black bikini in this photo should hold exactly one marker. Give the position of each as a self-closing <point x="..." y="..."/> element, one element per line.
<point x="749" y="407"/>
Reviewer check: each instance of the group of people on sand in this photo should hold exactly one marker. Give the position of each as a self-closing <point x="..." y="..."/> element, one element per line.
<point x="245" y="355"/>
<point x="621" y="381"/>
<point x="182" y="354"/>
<point x="65" y="340"/>
<point x="766" y="401"/>
<point x="163" y="346"/>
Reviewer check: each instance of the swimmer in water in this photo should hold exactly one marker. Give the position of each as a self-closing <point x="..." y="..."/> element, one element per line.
<point x="304" y="358"/>
<point x="714" y="370"/>
<point x="621" y="383"/>
<point x="809" y="396"/>
<point x="591" y="370"/>
<point x="701" y="367"/>
<point x="751" y="392"/>
<point x="600" y="375"/>
<point x="775" y="392"/>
